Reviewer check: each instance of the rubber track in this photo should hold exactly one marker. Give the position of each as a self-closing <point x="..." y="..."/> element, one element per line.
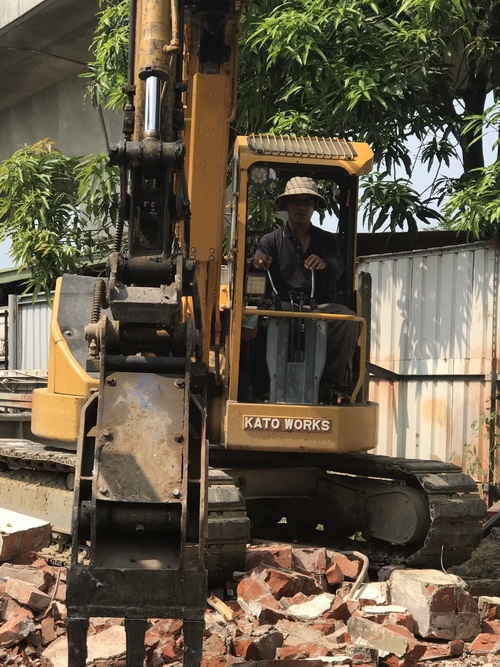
<point x="455" y="508"/>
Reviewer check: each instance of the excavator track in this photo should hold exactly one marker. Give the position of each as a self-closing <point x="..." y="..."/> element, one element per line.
<point x="345" y="486"/>
<point x="456" y="511"/>
<point x="44" y="477"/>
<point x="451" y="530"/>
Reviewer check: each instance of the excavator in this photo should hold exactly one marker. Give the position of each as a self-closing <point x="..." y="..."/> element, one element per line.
<point x="184" y="408"/>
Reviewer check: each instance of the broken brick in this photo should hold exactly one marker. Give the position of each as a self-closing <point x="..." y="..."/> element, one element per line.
<point x="488" y="608"/>
<point x="27" y="573"/>
<point x="17" y="628"/>
<point x="454" y="648"/>
<point x="392" y="639"/>
<point x="275" y="555"/>
<point x="309" y="560"/>
<point x="334" y="575"/>
<point x="339" y="611"/>
<point x="48" y="630"/>
<point x="28" y="595"/>
<point x="350" y="566"/>
<point x="431" y="597"/>
<point x="491" y="627"/>
<point x="285" y="583"/>
<point x="340" y="636"/>
<point x="20" y="534"/>
<point x="485" y="643"/>
<point x="305" y="650"/>
<point x="327" y="625"/>
<point x="255" y="598"/>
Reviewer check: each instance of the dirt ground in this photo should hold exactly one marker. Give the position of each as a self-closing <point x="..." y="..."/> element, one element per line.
<point x="484" y="562"/>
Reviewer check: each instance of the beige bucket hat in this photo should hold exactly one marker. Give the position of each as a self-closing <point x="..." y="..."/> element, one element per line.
<point x="300" y="185"/>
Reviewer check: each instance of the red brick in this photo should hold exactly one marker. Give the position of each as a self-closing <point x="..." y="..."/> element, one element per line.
<point x="27" y="573"/>
<point x="466" y="603"/>
<point x="340" y="636"/>
<point x="19" y="625"/>
<point x="48" y="630"/>
<point x="491" y="627"/>
<point x="244" y="647"/>
<point x="489" y="608"/>
<point x="251" y="588"/>
<point x="28" y="595"/>
<point x="275" y="555"/>
<point x="339" y="611"/>
<point x="393" y="639"/>
<point x="334" y="575"/>
<point x="267" y="643"/>
<point x="298" y="598"/>
<point x="8" y="607"/>
<point x="350" y="566"/>
<point x="306" y="650"/>
<point x="168" y="651"/>
<point x="436" y="651"/>
<point x="442" y="600"/>
<point x="309" y="560"/>
<point x="485" y="643"/>
<point x="325" y="625"/>
<point x="214" y="645"/>
<point x="281" y="582"/>
<point x="215" y="661"/>
<point x="431" y="596"/>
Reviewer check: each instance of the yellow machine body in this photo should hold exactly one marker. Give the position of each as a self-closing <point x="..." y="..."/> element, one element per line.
<point x="57" y="408"/>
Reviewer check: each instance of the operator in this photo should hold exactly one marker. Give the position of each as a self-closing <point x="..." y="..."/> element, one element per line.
<point x="292" y="253"/>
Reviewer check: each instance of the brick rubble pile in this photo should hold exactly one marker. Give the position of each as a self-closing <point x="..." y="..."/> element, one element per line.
<point x="292" y="603"/>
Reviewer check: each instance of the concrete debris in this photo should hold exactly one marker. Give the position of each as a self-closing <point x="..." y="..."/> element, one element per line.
<point x="20" y="533"/>
<point x="281" y="612"/>
<point x="441" y="606"/>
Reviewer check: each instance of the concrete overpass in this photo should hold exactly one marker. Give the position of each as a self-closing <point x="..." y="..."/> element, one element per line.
<point x="44" y="46"/>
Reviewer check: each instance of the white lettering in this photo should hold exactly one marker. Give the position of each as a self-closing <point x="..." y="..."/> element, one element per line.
<point x="251" y="422"/>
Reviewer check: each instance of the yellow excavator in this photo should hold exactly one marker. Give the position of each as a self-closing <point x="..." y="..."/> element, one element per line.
<point x="183" y="407"/>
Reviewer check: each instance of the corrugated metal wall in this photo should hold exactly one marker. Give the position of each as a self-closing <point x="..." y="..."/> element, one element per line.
<point x="435" y="323"/>
<point x="28" y="335"/>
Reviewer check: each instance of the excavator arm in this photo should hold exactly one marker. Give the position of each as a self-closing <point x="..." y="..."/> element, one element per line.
<point x="141" y="479"/>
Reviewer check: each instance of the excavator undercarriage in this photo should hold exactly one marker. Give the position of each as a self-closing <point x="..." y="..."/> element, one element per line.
<point x="421" y="513"/>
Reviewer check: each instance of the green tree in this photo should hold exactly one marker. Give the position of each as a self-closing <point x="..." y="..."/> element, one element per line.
<point x="378" y="70"/>
<point x="58" y="211"/>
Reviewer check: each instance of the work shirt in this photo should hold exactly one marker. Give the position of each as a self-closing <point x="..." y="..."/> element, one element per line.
<point x="287" y="268"/>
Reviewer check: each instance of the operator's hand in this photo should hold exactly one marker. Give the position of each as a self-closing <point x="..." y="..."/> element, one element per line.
<point x="314" y="263"/>
<point x="262" y="261"/>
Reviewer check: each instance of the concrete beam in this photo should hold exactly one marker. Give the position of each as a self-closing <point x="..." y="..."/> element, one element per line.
<point x="41" y="43"/>
<point x="60" y="113"/>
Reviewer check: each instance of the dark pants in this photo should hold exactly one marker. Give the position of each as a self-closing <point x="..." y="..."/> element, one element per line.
<point x="342" y="338"/>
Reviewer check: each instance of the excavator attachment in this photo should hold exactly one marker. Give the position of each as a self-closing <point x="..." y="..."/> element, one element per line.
<point x="140" y="504"/>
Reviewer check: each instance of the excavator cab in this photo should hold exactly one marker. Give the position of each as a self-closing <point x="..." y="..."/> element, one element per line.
<point x="276" y="345"/>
